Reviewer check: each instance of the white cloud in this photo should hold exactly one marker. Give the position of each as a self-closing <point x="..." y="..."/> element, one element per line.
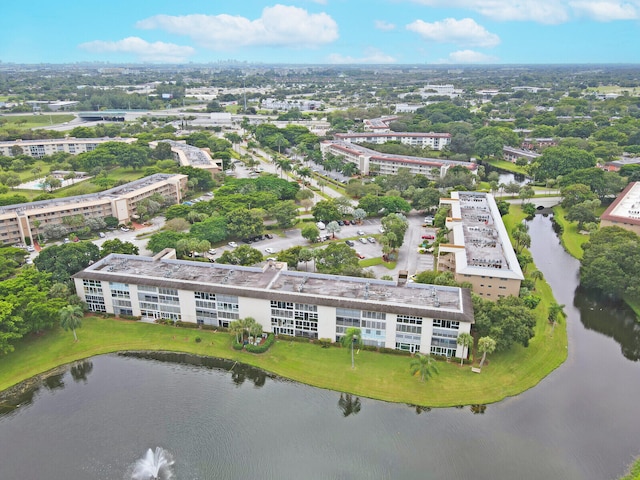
<point x="372" y="56"/>
<point x="145" y="51"/>
<point x="279" y="25"/>
<point x="605" y="11"/>
<point x="460" y="32"/>
<point x="542" y="11"/>
<point x="467" y="56"/>
<point x="382" y="25"/>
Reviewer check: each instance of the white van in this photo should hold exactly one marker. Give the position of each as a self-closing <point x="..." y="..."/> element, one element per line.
<point x="321" y="225"/>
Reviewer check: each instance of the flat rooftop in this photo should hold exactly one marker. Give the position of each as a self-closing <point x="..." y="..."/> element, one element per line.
<point x="270" y="280"/>
<point x="194" y="155"/>
<point x="626" y="206"/>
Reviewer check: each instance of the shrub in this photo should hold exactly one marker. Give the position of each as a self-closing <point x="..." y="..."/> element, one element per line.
<point x="325" y="342"/>
<point x="182" y="324"/>
<point x="294" y="339"/>
<point x="262" y="347"/>
<point x="198" y="339"/>
<point x="236" y="344"/>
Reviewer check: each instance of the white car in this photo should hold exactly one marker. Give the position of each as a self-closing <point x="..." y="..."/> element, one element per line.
<point x="212" y="251"/>
<point x="31" y="248"/>
<point x="232" y="244"/>
<point x="269" y="250"/>
<point x="124" y="229"/>
<point x="360" y="232"/>
<point x="363" y="240"/>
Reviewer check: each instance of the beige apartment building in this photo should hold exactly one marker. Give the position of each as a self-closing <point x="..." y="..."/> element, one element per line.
<point x="624" y="212"/>
<point x="190" y="156"/>
<point x="479" y="250"/>
<point x="27" y="220"/>
<point x="40" y="148"/>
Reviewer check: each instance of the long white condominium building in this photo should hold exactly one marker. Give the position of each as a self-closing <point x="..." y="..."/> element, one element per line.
<point x="435" y="141"/>
<point x="414" y="317"/>
<point x="23" y="220"/>
<point x="624" y="212"/>
<point x="49" y="146"/>
<point x="190" y="156"/>
<point x="369" y="161"/>
<point x="479" y="250"/>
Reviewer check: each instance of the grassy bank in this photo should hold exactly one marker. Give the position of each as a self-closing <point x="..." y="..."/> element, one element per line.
<point x="571" y="239"/>
<point x="380" y="376"/>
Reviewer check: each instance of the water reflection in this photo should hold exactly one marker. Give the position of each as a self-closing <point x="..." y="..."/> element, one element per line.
<point x="613" y="319"/>
<point x="478" y="409"/>
<point x="239" y="371"/>
<point x="349" y="405"/>
<point x="23" y="395"/>
<point x="419" y="409"/>
<point x="81" y="370"/>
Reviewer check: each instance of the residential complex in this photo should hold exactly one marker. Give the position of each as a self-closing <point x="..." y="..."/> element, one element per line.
<point x="49" y="146"/>
<point x="379" y="125"/>
<point x="413" y="317"/>
<point x="369" y="161"/>
<point x="190" y="156"/>
<point x="624" y="212"/>
<point x="435" y="141"/>
<point x="26" y="220"/>
<point x="511" y="154"/>
<point x="479" y="249"/>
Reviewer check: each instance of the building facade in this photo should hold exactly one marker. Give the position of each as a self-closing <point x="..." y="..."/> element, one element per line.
<point x="511" y="154"/>
<point x="369" y="161"/>
<point x="49" y="146"/>
<point x="190" y="156"/>
<point x="28" y="220"/>
<point x="434" y="141"/>
<point x="413" y="317"/>
<point x="479" y="250"/>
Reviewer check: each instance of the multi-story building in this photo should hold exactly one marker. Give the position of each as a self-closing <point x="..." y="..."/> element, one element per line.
<point x="511" y="154"/>
<point x="49" y="146"/>
<point x="369" y="161"/>
<point x="538" y="143"/>
<point x="434" y="141"/>
<point x="412" y="317"/>
<point x="190" y="156"/>
<point x="624" y="212"/>
<point x="479" y="249"/>
<point x="26" y="220"/>
<point x="379" y="125"/>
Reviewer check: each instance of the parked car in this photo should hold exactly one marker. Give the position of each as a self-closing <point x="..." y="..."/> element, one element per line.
<point x="360" y="232"/>
<point x="360" y="256"/>
<point x="212" y="251"/>
<point x="351" y="243"/>
<point x="362" y="240"/>
<point x="381" y="229"/>
<point x="101" y="234"/>
<point x="341" y="223"/>
<point x="232" y="244"/>
<point x="428" y="237"/>
<point x="268" y="235"/>
<point x="269" y="250"/>
<point x="371" y="240"/>
<point x="124" y="229"/>
<point x="66" y="240"/>
<point x="31" y="248"/>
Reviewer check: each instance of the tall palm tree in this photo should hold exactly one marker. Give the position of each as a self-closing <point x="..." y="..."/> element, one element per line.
<point x="352" y="338"/>
<point x="466" y="340"/>
<point x="423" y="364"/>
<point x="486" y="345"/>
<point x="236" y="328"/>
<point x="71" y="318"/>
<point x="284" y="165"/>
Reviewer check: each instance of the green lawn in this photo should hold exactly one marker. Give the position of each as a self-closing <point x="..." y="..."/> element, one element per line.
<point x="508" y="166"/>
<point x="571" y="238"/>
<point x="381" y="376"/>
<point x="35" y="121"/>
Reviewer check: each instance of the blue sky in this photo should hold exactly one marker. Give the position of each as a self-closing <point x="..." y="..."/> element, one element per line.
<point x="322" y="31"/>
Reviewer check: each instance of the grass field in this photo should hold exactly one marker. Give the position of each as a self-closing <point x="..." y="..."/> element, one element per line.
<point x="35" y="121"/>
<point x="508" y="166"/>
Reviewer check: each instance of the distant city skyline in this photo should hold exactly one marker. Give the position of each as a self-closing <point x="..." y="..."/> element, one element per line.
<point x="322" y="31"/>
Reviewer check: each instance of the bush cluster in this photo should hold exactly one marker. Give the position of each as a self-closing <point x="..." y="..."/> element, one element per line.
<point x="263" y="347"/>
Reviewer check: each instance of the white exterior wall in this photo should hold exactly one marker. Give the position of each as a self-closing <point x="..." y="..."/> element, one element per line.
<point x="187" y="306"/>
<point x="326" y="322"/>
<point x="257" y="308"/>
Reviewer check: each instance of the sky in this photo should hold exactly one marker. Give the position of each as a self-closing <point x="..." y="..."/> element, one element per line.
<point x="321" y="31"/>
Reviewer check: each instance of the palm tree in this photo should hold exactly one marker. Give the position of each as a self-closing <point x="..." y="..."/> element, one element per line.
<point x="555" y="309"/>
<point x="352" y="337"/>
<point x="333" y="227"/>
<point x="235" y="328"/>
<point x="348" y="404"/>
<point x="466" y="340"/>
<point x="423" y="364"/>
<point x="486" y="345"/>
<point x="284" y="165"/>
<point x="71" y="318"/>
